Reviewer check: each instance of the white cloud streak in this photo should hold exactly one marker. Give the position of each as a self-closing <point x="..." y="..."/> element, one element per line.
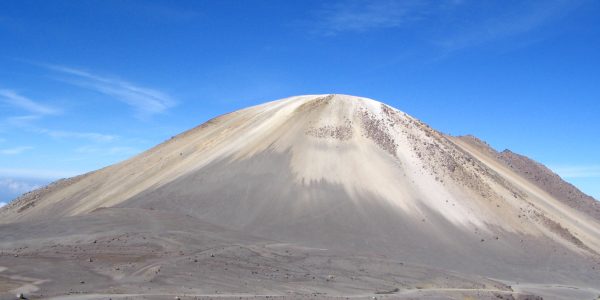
<point x="91" y="136"/>
<point x="39" y="174"/>
<point x="25" y="122"/>
<point x="117" y="150"/>
<point x="457" y="24"/>
<point x="530" y="16"/>
<point x="16" y="186"/>
<point x="146" y="101"/>
<point x="592" y="171"/>
<point x="13" y="98"/>
<point x="361" y="16"/>
<point x="15" y="150"/>
<point x="22" y="120"/>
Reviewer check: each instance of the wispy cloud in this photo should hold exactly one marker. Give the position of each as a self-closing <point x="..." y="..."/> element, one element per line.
<point x="524" y="18"/>
<point x="361" y="16"/>
<point x="14" y="186"/>
<point x="22" y="120"/>
<point x="13" y="98"/>
<point x="38" y="174"/>
<point x="592" y="171"/>
<point x="15" y="150"/>
<point x="27" y="123"/>
<point x="146" y="101"/>
<point x="446" y="25"/>
<point x="117" y="150"/>
<point x="92" y="136"/>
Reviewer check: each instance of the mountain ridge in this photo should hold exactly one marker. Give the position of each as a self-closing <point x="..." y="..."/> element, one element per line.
<point x="347" y="174"/>
<point x="543" y="177"/>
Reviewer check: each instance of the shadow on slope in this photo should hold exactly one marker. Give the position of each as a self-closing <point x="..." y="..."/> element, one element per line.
<point x="262" y="197"/>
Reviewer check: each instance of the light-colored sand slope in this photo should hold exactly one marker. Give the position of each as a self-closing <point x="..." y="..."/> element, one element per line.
<point x="540" y="175"/>
<point x="377" y="188"/>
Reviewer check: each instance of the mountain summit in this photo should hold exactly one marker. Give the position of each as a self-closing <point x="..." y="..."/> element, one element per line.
<point x="332" y="177"/>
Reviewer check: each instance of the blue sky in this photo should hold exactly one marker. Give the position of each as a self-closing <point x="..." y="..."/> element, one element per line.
<point x="84" y="84"/>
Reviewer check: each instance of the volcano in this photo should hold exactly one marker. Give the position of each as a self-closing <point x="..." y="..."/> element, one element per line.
<point x="308" y="196"/>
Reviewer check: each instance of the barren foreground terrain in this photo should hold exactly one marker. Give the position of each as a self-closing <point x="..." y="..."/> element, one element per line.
<point x="319" y="196"/>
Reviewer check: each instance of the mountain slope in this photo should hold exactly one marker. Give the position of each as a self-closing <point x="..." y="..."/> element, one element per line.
<point x="543" y="177"/>
<point x="346" y="174"/>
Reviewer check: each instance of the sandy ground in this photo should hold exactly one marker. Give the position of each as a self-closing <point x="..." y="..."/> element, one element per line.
<point x="310" y="196"/>
<point x="137" y="254"/>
